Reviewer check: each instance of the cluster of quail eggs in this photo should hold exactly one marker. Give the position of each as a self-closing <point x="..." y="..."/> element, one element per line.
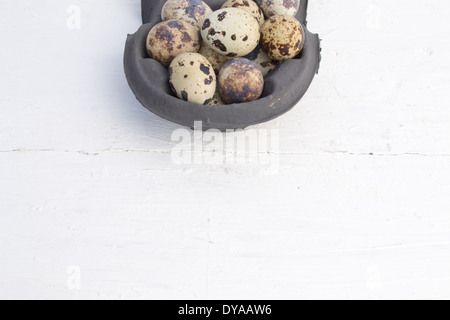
<point x="222" y="57"/>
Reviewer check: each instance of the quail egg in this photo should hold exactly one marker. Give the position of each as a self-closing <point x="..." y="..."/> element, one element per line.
<point x="217" y="100"/>
<point x="216" y="59"/>
<point x="240" y="80"/>
<point x="192" y="11"/>
<point x="262" y="60"/>
<point x="282" y="37"/>
<point x="192" y="78"/>
<point x="275" y="7"/>
<point x="247" y="5"/>
<point x="232" y="32"/>
<point x="170" y="38"/>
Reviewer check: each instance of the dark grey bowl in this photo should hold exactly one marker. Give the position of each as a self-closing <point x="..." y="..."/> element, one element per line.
<point x="149" y="80"/>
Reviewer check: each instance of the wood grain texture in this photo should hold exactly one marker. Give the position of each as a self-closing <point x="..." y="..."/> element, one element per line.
<point x="357" y="209"/>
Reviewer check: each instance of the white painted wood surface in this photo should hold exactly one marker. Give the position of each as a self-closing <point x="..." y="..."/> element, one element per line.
<point x="92" y="206"/>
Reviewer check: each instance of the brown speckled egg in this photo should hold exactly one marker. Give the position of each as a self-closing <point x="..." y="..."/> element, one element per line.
<point x="262" y="60"/>
<point x="216" y="59"/>
<point x="170" y="38"/>
<point x="282" y="37"/>
<point x="217" y="100"/>
<point x="275" y="7"/>
<point x="248" y="5"/>
<point x="240" y="80"/>
<point x="232" y="32"/>
<point x="192" y="11"/>
<point x="192" y="78"/>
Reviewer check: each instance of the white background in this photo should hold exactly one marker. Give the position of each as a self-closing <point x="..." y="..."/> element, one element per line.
<point x="92" y="206"/>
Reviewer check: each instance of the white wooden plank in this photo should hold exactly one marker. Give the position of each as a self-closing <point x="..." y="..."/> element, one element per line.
<point x="355" y="205"/>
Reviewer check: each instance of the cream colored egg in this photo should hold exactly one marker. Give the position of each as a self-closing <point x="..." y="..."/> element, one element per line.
<point x="217" y="100"/>
<point x="248" y="5"/>
<point x="192" y="78"/>
<point x="262" y="60"/>
<point x="282" y="37"/>
<point x="170" y="38"/>
<point x="192" y="11"/>
<point x="232" y="32"/>
<point x="216" y="59"/>
<point x="274" y="7"/>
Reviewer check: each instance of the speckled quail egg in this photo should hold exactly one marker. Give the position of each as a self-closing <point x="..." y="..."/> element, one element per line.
<point x="282" y="37"/>
<point x="247" y="5"/>
<point x="217" y="100"/>
<point x="262" y="60"/>
<point x="216" y="59"/>
<point x="232" y="32"/>
<point x="170" y="38"/>
<point x="240" y="80"/>
<point x="192" y="78"/>
<point x="275" y="7"/>
<point x="192" y="11"/>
